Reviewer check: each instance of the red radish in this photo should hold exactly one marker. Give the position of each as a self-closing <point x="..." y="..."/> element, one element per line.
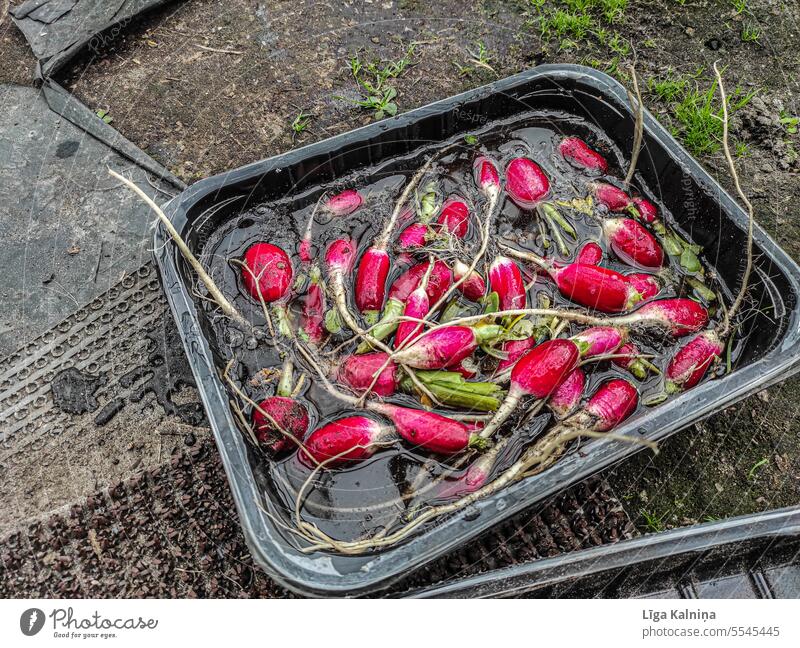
<point x="289" y="414"/>
<point x="633" y="243"/>
<point x="358" y="372"/>
<point x="340" y="256"/>
<point x="591" y="286"/>
<point x="454" y="217"/>
<point x="417" y="305"/>
<point x="313" y="314"/>
<point x="615" y="199"/>
<point x="514" y="350"/>
<point x="645" y="284"/>
<point x="647" y="210"/>
<point x="506" y="280"/>
<point x="590" y="254"/>
<point x="538" y="373"/>
<point x="355" y="438"/>
<point x="446" y="346"/>
<point x="680" y="316"/>
<point x="693" y="360"/>
<point x="486" y="176"/>
<point x="467" y="369"/>
<point x="344" y="203"/>
<point x="430" y="431"/>
<point x="578" y="152"/>
<point x="612" y="403"/>
<point x="370" y="288"/>
<point x="599" y="340"/>
<point x="473" y="287"/>
<point x="526" y="183"/>
<point x="413" y="236"/>
<point x="630" y="360"/>
<point x="438" y="283"/>
<point x="567" y="395"/>
<point x="595" y="287"/>
<point x="268" y="273"/>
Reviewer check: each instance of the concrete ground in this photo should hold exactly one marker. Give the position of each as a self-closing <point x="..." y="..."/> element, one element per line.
<point x="209" y="85"/>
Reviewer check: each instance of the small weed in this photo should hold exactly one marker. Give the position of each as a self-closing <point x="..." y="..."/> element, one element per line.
<point x="104" y="115"/>
<point x="667" y="89"/>
<point x="790" y="122"/>
<point x="372" y="77"/>
<point x="652" y="521"/>
<point x="739" y="6"/>
<point x="619" y="45"/>
<point x="613" y="10"/>
<point x="741" y="149"/>
<point x="300" y="123"/>
<point x="480" y="57"/>
<point x="711" y="518"/>
<point x="649" y="43"/>
<point x="697" y="116"/>
<point x="751" y="474"/>
<point x="750" y="33"/>
<point x="561" y="24"/>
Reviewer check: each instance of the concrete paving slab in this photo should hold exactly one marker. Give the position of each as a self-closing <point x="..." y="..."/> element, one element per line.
<point x="68" y="231"/>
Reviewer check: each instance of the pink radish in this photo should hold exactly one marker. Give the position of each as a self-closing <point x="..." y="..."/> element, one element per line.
<point x="526" y="183"/>
<point x="599" y="340"/>
<point x="340" y="256"/>
<point x="454" y="217"/>
<point x="506" y="280"/>
<point x="446" y="346"/>
<point x="358" y="372"/>
<point x="538" y="373"/>
<point x="473" y="287"/>
<point x="486" y="176"/>
<point x="647" y="210"/>
<point x="578" y="152"/>
<point x="355" y="438"/>
<point x="514" y="350"/>
<point x="344" y="203"/>
<point x="417" y="305"/>
<point x="438" y="283"/>
<point x="645" y="284"/>
<point x="693" y="360"/>
<point x="370" y="288"/>
<point x="430" y="431"/>
<point x="591" y="286"/>
<point x="595" y="287"/>
<point x="268" y="272"/>
<point x="413" y="236"/>
<point x="313" y="313"/>
<point x="680" y="316"/>
<point x="633" y="243"/>
<point x="567" y="396"/>
<point x="289" y="414"/>
<point x="590" y="254"/>
<point x="613" y="402"/>
<point x="630" y="360"/>
<point x="615" y="199"/>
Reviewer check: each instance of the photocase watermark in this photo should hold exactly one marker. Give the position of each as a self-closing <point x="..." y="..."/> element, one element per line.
<point x="31" y="621"/>
<point x="104" y="39"/>
<point x="67" y="625"/>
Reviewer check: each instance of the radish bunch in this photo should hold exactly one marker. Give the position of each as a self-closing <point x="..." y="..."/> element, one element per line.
<point x="435" y="329"/>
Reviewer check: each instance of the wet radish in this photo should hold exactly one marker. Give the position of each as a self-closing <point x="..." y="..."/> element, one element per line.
<point x="473" y="287"/>
<point x="344" y="203"/>
<point x="633" y="244"/>
<point x="526" y="183"/>
<point x="590" y="254"/>
<point x="267" y="273"/>
<point x="454" y="217"/>
<point x="505" y="279"/>
<point x="567" y="396"/>
<point x="345" y="441"/>
<point x="692" y="361"/>
<point x="580" y="154"/>
<point x="446" y="346"/>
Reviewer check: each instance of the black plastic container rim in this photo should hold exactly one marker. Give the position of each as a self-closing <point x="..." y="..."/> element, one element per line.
<point x="328" y="575"/>
<point x="780" y="523"/>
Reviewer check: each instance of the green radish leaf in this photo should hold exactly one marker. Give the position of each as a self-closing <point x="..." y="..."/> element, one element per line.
<point x="332" y="322"/>
<point x="657" y="399"/>
<point x="494" y="353"/>
<point x="689" y="260"/>
<point x="491" y="303"/>
<point x="391" y="109"/>
<point x="471" y="140"/>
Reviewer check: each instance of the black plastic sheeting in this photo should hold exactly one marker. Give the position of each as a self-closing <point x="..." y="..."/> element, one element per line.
<point x="753" y="556"/>
<point x="57" y="30"/>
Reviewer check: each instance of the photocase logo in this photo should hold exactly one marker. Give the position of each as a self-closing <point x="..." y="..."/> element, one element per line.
<point x="31" y="621"/>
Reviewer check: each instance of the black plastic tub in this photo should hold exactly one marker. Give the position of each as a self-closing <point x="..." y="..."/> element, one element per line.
<point x="767" y="350"/>
<point x="752" y="556"/>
